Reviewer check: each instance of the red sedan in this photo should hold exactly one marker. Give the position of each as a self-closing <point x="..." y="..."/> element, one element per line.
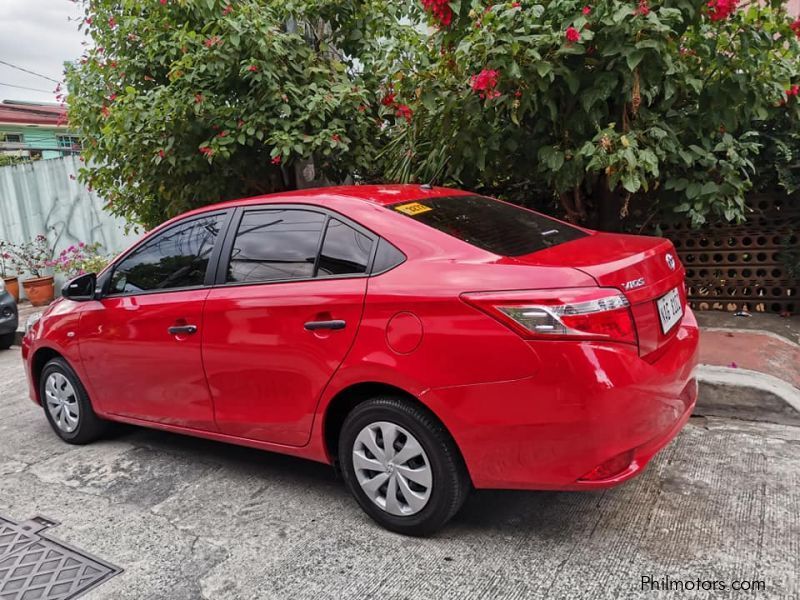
<point x="423" y="340"/>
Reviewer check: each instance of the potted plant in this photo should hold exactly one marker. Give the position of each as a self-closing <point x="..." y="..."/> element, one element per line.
<point x="79" y="259"/>
<point x="6" y="264"/>
<point x="33" y="258"/>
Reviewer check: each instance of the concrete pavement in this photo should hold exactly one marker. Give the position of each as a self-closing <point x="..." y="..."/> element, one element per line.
<point x="189" y="519"/>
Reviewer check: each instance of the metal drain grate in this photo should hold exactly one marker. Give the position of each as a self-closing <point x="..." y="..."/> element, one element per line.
<point x="33" y="567"/>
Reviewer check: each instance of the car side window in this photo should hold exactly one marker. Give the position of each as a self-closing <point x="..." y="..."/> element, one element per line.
<point x="275" y="245"/>
<point x="345" y="251"/>
<point x="387" y="257"/>
<point x="175" y="258"/>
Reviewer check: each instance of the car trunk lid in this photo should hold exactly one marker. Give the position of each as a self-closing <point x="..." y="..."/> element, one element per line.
<point x="645" y="269"/>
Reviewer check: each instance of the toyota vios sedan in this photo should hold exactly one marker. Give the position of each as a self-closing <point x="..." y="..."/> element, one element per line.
<point x="423" y="340"/>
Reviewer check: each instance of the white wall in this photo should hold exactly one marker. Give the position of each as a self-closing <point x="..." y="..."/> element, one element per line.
<point x="41" y="198"/>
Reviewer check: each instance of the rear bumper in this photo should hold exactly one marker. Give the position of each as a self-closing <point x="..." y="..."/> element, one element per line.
<point x="8" y="314"/>
<point x="588" y="404"/>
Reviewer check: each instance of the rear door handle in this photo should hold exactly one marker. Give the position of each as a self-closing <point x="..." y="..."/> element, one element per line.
<point x="315" y="325"/>
<point x="182" y="329"/>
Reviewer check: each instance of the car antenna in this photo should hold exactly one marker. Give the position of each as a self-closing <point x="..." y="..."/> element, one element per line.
<point x="429" y="185"/>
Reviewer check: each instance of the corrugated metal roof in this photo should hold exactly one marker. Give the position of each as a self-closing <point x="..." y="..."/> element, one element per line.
<point x="31" y="113"/>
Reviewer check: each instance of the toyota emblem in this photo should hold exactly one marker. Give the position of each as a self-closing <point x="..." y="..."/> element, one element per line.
<point x="670" y="261"/>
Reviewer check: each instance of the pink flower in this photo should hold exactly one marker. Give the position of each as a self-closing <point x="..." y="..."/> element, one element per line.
<point x="796" y="27"/>
<point x="485" y="82"/>
<point x="793" y="91"/>
<point x="336" y="138"/>
<point x="276" y="160"/>
<point x="206" y="151"/>
<point x="388" y="99"/>
<point x="643" y="8"/>
<point x="112" y="22"/>
<point x="586" y="10"/>
<point x="163" y="2"/>
<point x="572" y="34"/>
<point x="440" y="10"/>
<point x="252" y="68"/>
<point x="719" y="10"/>
<point x="404" y="112"/>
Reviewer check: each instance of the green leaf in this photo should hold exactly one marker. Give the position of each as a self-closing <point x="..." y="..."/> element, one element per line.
<point x="634" y="58"/>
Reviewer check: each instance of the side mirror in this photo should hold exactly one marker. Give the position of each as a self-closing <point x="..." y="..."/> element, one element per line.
<point x="80" y="289"/>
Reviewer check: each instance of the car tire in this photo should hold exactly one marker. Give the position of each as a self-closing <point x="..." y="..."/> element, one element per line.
<point x="66" y="404"/>
<point x="6" y="340"/>
<point x="427" y="474"/>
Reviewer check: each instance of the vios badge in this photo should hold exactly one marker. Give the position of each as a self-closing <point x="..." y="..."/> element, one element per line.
<point x="633" y="284"/>
<point x="670" y="261"/>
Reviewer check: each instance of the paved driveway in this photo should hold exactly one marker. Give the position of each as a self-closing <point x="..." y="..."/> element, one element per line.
<point x="191" y="519"/>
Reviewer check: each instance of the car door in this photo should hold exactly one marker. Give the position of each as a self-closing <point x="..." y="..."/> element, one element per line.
<point x="289" y="301"/>
<point x="140" y="344"/>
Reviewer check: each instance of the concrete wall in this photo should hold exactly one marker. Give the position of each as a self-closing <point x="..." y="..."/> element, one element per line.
<point x="40" y="197"/>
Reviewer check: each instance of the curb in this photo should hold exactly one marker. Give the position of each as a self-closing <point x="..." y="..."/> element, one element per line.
<point x="728" y="376"/>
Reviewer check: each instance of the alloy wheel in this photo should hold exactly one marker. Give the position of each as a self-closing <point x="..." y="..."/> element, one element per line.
<point x="62" y="402"/>
<point x="392" y="468"/>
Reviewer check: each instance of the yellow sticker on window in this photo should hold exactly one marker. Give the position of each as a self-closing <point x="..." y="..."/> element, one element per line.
<point x="413" y="208"/>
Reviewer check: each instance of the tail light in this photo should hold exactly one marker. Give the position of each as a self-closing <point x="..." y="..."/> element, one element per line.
<point x="573" y="313"/>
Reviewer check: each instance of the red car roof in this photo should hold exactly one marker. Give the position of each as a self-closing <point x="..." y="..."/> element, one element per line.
<point x="382" y="195"/>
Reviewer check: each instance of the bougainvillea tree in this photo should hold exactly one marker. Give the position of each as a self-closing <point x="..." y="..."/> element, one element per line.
<point x="599" y="103"/>
<point x="186" y="102"/>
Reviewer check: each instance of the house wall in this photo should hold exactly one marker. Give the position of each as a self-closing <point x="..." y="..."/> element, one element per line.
<point x="38" y="137"/>
<point x="41" y="198"/>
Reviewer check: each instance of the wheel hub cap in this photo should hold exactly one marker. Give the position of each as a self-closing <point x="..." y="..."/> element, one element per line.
<point x="62" y="402"/>
<point x="392" y="468"/>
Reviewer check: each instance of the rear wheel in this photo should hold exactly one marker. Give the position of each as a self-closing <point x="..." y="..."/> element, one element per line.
<point x="66" y="404"/>
<point x="402" y="466"/>
<point x="6" y="340"/>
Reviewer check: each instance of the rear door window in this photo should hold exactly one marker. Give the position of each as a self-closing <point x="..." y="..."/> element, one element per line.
<point x="490" y="225"/>
<point x="275" y="245"/>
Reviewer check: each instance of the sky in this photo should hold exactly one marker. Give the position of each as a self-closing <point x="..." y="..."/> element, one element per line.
<point x="36" y="35"/>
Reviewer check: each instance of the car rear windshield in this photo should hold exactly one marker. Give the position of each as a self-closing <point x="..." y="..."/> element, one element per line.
<point x="491" y="225"/>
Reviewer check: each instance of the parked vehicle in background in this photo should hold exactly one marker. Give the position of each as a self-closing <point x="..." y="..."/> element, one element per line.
<point x="424" y="340"/>
<point x="8" y="317"/>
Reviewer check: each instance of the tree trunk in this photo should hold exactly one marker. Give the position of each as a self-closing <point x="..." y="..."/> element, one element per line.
<point x="607" y="207"/>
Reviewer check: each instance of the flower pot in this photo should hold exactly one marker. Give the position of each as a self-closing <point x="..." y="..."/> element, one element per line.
<point x="12" y="285"/>
<point x="40" y="291"/>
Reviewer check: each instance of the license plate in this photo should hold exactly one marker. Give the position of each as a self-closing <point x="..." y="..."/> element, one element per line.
<point x="669" y="309"/>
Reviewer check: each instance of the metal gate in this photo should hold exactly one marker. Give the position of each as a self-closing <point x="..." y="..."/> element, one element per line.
<point x="743" y="267"/>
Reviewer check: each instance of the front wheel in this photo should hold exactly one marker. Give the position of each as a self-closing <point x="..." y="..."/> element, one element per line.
<point x="66" y="404"/>
<point x="402" y="466"/>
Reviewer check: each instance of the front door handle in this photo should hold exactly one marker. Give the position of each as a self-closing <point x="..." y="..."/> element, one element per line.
<point x="315" y="325"/>
<point x="182" y="329"/>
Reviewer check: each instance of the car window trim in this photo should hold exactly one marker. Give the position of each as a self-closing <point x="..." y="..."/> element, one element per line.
<point x="233" y="229"/>
<point x="213" y="258"/>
